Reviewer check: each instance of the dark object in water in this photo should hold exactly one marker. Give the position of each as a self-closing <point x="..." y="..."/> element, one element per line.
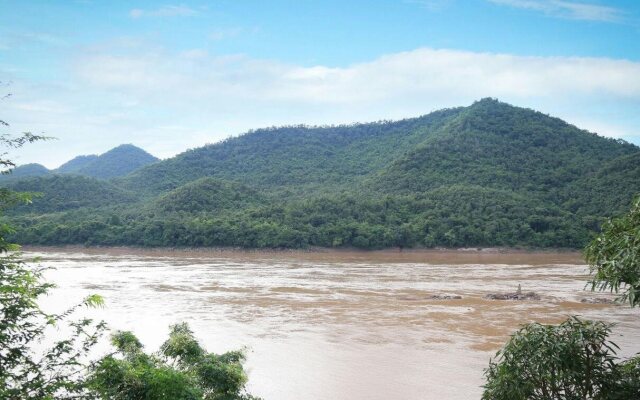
<point x="513" y="296"/>
<point x="597" y="300"/>
<point x="431" y="297"/>
<point x="444" y="297"/>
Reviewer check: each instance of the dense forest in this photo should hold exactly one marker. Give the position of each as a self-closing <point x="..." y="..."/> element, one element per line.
<point x="489" y="174"/>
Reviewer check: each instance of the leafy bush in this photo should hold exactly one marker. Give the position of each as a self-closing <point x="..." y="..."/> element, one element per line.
<point x="614" y="256"/>
<point x="571" y="361"/>
<point x="182" y="370"/>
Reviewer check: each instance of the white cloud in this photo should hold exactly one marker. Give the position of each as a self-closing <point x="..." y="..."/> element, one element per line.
<point x="167" y="102"/>
<point x="567" y="9"/>
<point x="164" y="11"/>
<point x="420" y="73"/>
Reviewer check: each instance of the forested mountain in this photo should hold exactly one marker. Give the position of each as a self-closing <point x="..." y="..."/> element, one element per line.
<point x="118" y="161"/>
<point x="496" y="145"/>
<point x="76" y="164"/>
<point x="25" y="170"/>
<point x="289" y="157"/>
<point x="490" y="174"/>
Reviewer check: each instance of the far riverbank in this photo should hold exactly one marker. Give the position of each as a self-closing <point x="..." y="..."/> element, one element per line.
<point x="509" y="256"/>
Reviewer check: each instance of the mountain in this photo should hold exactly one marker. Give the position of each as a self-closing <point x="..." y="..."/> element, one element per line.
<point x="76" y="164"/>
<point x="489" y="174"/>
<point x="116" y="162"/>
<point x="25" y="171"/>
<point x="298" y="158"/>
<point x="493" y="144"/>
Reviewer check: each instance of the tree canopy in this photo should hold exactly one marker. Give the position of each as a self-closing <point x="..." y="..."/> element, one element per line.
<point x="574" y="360"/>
<point x="614" y="256"/>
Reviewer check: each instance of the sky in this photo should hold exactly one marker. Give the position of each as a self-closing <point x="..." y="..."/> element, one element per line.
<point x="170" y="76"/>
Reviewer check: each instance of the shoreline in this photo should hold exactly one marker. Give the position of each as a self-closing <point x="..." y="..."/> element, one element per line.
<point x="497" y="255"/>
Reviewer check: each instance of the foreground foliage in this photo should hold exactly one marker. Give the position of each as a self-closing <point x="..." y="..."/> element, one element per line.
<point x="614" y="256"/>
<point x="571" y="361"/>
<point x="27" y="371"/>
<point x="182" y="369"/>
<point x="32" y="366"/>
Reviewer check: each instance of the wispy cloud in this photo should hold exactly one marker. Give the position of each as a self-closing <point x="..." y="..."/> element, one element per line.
<point x="164" y="11"/>
<point x="20" y="38"/>
<point x="431" y="5"/>
<point x="221" y="34"/>
<point x="423" y="73"/>
<point x="567" y="9"/>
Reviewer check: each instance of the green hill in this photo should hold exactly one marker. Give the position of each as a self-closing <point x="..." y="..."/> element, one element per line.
<point x="116" y="162"/>
<point x="497" y="145"/>
<point x="297" y="158"/>
<point x="76" y="164"/>
<point x="24" y="171"/>
<point x="489" y="174"/>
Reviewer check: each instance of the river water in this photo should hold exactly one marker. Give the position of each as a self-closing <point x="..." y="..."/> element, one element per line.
<point x="337" y="325"/>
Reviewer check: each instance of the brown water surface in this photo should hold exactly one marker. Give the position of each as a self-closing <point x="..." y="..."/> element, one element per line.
<point x="338" y="324"/>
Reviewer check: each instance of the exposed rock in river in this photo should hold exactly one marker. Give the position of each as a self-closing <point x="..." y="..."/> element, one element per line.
<point x="513" y="296"/>
<point x="432" y="297"/>
<point x="598" y="300"/>
<point x="445" y="297"/>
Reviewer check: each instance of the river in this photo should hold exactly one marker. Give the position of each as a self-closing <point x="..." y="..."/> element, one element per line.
<point x="337" y="325"/>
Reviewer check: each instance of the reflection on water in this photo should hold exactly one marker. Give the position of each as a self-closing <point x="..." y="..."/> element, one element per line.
<point x="337" y="325"/>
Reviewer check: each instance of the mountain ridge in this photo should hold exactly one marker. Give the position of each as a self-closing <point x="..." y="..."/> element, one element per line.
<point x="115" y="162"/>
<point x="487" y="175"/>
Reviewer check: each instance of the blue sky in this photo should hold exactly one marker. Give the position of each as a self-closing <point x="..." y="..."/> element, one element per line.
<point x="169" y="76"/>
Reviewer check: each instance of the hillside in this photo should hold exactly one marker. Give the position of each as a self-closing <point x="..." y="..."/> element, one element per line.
<point x="118" y="161"/>
<point x="496" y="145"/>
<point x="206" y="195"/>
<point x="489" y="174"/>
<point x="605" y="191"/>
<point x="25" y="170"/>
<point x="76" y="164"/>
<point x="293" y="157"/>
<point x="65" y="192"/>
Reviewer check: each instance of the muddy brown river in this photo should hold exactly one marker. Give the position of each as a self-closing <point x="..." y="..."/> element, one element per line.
<point x="337" y="325"/>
